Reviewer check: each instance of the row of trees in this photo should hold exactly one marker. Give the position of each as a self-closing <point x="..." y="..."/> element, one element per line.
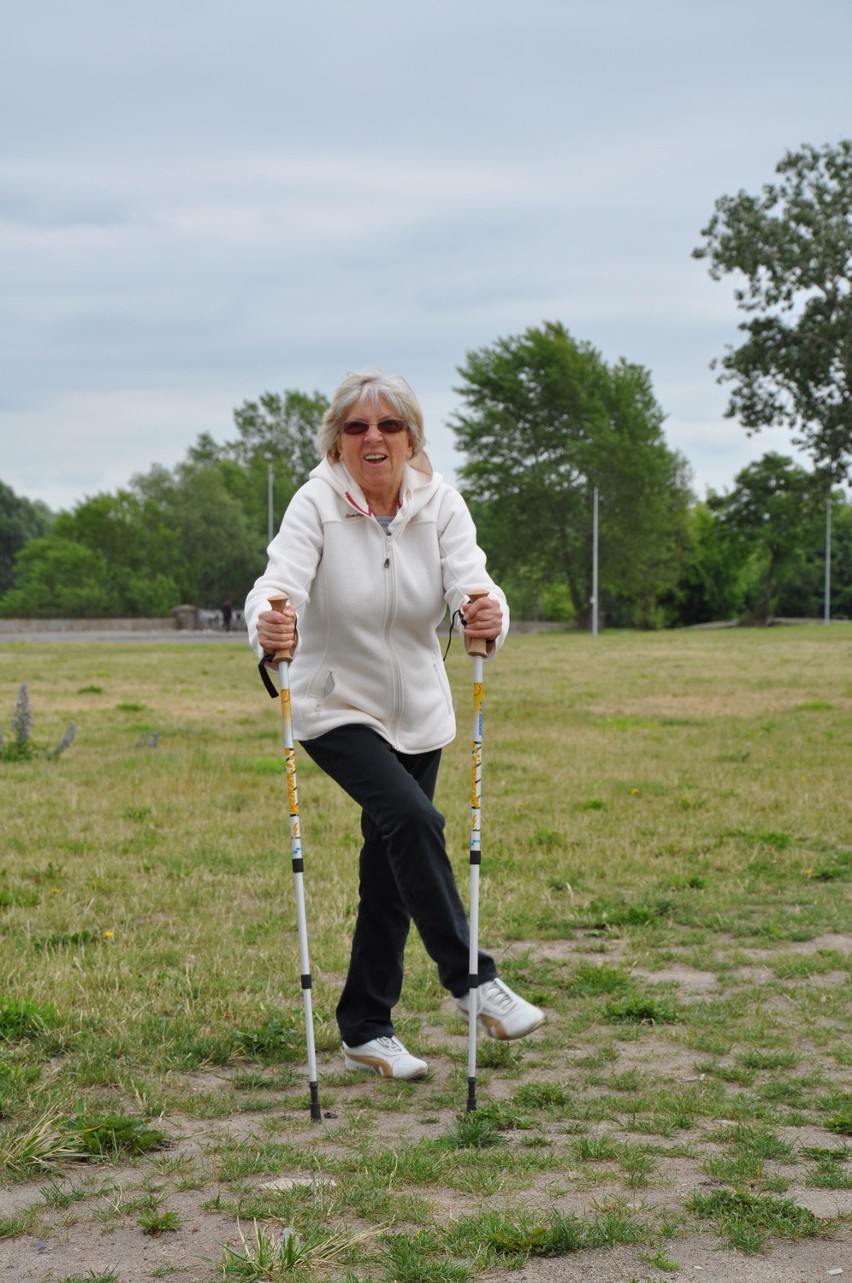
<point x="195" y="533"/>
<point x="545" y="424"/>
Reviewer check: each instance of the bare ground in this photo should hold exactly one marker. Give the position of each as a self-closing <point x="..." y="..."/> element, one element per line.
<point x="92" y="1237"/>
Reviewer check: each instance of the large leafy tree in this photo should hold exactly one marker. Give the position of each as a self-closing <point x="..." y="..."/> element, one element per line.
<point x="545" y="422"/>
<point x="802" y="591"/>
<point x="791" y="248"/>
<point x="770" y="518"/>
<point x="842" y="567"/>
<point x="60" y="578"/>
<point x="280" y="427"/>
<point x="113" y="555"/>
<point x="713" y="581"/>
<point x="214" y="510"/>
<point x="20" y="520"/>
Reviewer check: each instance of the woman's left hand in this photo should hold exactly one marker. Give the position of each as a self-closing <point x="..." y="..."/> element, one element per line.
<point x="483" y="618"/>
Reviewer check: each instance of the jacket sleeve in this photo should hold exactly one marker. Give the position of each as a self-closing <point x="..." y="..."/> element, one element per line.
<point x="463" y="563"/>
<point x="294" y="555"/>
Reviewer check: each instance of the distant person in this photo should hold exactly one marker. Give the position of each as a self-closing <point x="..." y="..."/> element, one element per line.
<point x="371" y="552"/>
<point x="227" y="613"/>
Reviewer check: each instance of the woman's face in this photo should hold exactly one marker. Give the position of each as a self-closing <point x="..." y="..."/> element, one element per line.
<point x="376" y="459"/>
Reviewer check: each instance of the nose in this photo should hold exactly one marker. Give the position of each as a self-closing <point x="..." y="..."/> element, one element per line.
<point x="373" y="434"/>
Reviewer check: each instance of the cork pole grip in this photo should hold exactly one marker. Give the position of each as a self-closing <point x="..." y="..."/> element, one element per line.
<point x="476" y="645"/>
<point x="277" y="603"/>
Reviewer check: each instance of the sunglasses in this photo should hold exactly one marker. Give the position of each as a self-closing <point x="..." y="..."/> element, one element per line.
<point x="357" y="427"/>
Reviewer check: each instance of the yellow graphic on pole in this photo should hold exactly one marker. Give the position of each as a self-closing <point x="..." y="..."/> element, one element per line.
<point x="476" y="762"/>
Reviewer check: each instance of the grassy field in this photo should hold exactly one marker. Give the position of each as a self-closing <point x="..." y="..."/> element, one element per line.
<point x="667" y="851"/>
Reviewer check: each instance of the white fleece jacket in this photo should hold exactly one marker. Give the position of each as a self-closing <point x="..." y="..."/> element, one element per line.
<point x="369" y="604"/>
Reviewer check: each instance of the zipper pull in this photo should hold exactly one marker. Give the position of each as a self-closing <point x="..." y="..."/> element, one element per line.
<point x="387" y="551"/>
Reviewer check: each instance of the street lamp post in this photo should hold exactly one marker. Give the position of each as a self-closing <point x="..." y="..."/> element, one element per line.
<point x="595" y="565"/>
<point x="826" y="590"/>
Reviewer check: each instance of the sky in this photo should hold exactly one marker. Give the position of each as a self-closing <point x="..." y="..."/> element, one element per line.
<point x="202" y="201"/>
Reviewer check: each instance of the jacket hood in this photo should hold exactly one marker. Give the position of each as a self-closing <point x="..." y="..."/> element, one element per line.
<point x="419" y="483"/>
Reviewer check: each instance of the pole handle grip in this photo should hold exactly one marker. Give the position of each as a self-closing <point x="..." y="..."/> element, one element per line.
<point x="277" y="603"/>
<point x="477" y="646"/>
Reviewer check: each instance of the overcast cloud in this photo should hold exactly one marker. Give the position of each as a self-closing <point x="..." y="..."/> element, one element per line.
<point x="202" y="201"/>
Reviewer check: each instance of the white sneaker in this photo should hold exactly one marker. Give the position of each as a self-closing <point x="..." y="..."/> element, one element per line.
<point x="385" y="1056"/>
<point x="502" y="1013"/>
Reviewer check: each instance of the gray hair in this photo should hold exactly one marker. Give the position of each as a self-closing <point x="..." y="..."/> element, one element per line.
<point x="371" y="386"/>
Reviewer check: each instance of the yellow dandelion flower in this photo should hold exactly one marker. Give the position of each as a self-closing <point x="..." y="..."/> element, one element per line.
<point x="634" y="792"/>
<point x="108" y="935"/>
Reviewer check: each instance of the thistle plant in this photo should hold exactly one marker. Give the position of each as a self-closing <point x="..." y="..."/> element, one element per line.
<point x="67" y="738"/>
<point x="22" y="723"/>
<point x="22" y="746"/>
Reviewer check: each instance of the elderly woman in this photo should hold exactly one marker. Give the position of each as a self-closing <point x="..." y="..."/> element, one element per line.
<point x="371" y="552"/>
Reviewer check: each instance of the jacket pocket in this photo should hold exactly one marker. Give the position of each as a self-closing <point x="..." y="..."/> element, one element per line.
<point x="321" y="687"/>
<point x="327" y="690"/>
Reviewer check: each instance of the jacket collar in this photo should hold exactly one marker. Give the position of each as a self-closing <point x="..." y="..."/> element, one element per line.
<point x="417" y="486"/>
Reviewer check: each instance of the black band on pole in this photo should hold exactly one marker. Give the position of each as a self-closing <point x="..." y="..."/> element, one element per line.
<point x="316" y="1112"/>
<point x="471" y="1095"/>
<point x="298" y="864"/>
<point x="473" y="981"/>
<point x="475" y="855"/>
<point x="306" y="981"/>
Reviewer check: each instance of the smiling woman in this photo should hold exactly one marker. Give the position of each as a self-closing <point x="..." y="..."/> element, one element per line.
<point x="371" y="553"/>
<point x="377" y="464"/>
<point x="374" y="427"/>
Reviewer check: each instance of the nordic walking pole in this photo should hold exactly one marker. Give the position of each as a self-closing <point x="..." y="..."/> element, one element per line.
<point x="477" y="649"/>
<point x="278" y="603"/>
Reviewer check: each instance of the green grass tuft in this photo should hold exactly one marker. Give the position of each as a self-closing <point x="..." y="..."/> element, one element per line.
<point x="747" y="1220"/>
<point x="21" y="1018"/>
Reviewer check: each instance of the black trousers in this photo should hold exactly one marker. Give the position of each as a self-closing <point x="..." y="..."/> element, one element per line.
<point x="405" y="876"/>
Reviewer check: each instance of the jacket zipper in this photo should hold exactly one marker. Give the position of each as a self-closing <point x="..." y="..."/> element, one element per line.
<point x="390" y="611"/>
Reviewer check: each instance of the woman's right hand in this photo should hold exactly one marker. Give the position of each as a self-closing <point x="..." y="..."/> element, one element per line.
<point x="276" y="630"/>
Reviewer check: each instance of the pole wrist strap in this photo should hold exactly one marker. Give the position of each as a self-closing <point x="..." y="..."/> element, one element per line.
<point x="271" y="689"/>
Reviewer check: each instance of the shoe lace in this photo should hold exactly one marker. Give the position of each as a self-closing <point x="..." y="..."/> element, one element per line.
<point x="498" y="994"/>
